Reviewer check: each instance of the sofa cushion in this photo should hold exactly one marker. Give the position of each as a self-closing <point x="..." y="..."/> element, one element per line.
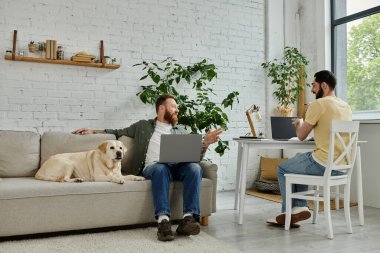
<point x="19" y="153"/>
<point x="126" y="163"/>
<point x="29" y="187"/>
<point x="63" y="142"/>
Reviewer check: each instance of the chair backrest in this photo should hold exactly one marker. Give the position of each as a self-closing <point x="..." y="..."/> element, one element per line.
<point x="343" y="145"/>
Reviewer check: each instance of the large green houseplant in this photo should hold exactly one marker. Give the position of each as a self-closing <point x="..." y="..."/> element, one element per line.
<point x="198" y="113"/>
<point x="286" y="74"/>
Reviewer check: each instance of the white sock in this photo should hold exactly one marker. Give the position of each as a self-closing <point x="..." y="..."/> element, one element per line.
<point x="187" y="214"/>
<point x="163" y="217"/>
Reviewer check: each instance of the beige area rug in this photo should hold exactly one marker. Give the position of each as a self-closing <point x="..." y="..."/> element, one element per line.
<point x="277" y="198"/>
<point x="132" y="240"/>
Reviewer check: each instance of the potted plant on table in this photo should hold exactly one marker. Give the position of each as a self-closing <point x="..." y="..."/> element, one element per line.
<point x="287" y="74"/>
<point x="200" y="114"/>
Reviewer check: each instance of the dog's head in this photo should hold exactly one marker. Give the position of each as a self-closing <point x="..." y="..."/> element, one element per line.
<point x="113" y="150"/>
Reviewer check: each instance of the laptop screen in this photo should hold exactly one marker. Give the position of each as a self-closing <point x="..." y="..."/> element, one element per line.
<point x="282" y="128"/>
<point x="180" y="148"/>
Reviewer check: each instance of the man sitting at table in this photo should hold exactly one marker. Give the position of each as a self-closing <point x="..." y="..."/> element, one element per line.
<point x="319" y="114"/>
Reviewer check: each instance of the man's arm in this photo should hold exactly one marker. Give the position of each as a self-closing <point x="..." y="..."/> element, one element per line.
<point x="210" y="138"/>
<point x="83" y="131"/>
<point x="129" y="131"/>
<point x="303" y="128"/>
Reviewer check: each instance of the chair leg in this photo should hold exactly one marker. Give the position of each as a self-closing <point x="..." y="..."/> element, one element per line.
<point x="326" y="196"/>
<point x="288" y="191"/>
<point x="347" y="208"/>
<point x="337" y="197"/>
<point x="316" y="204"/>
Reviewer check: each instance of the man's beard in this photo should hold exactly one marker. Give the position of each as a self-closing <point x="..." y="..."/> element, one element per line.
<point x="171" y="118"/>
<point x="319" y="94"/>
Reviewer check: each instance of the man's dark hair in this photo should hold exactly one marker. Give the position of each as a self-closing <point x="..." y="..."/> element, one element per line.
<point x="327" y="77"/>
<point x="162" y="99"/>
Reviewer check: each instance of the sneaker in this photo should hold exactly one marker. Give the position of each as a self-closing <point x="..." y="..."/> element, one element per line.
<point x="188" y="226"/>
<point x="165" y="232"/>
<point x="299" y="213"/>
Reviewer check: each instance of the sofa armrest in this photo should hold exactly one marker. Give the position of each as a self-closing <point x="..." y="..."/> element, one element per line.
<point x="210" y="171"/>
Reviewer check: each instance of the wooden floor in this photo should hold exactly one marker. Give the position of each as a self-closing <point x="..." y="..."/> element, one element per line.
<point x="255" y="236"/>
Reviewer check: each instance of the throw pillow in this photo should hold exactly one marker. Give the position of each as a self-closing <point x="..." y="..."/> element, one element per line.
<point x="268" y="168"/>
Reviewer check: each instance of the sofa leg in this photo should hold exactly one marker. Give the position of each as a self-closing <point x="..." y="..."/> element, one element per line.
<point x="204" y="221"/>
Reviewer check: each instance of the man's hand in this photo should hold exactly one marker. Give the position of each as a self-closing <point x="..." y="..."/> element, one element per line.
<point x="212" y="136"/>
<point x="303" y="129"/>
<point x="298" y="122"/>
<point x="83" y="131"/>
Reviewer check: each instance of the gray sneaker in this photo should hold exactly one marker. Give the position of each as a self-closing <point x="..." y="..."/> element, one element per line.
<point x="165" y="232"/>
<point x="188" y="226"/>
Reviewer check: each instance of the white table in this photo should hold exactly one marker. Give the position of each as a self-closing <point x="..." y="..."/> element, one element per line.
<point x="242" y="163"/>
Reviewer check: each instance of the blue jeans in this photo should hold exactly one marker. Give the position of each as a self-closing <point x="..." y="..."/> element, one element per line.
<point x="299" y="164"/>
<point x="161" y="174"/>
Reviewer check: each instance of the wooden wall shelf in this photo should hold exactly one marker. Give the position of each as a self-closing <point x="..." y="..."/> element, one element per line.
<point x="102" y="63"/>
<point x="66" y="62"/>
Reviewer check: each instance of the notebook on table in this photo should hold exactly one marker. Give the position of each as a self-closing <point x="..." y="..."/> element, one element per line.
<point x="282" y="128"/>
<point x="175" y="148"/>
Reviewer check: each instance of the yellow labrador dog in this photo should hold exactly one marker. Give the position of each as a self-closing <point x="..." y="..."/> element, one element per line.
<point x="102" y="164"/>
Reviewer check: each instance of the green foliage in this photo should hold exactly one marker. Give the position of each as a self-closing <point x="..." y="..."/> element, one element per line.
<point x="286" y="74"/>
<point x="363" y="75"/>
<point x="200" y="114"/>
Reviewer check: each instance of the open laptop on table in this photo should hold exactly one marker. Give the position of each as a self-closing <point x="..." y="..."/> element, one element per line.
<point x="175" y="148"/>
<point x="282" y="128"/>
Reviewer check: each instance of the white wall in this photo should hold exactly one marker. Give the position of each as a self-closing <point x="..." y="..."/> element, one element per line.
<point x="48" y="97"/>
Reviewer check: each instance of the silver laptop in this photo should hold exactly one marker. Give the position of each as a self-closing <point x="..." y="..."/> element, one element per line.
<point x="282" y="128"/>
<point x="175" y="148"/>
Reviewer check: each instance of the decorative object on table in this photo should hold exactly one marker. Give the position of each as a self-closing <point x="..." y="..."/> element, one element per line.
<point x="113" y="61"/>
<point x="60" y="53"/>
<point x="199" y="114"/>
<point x="32" y="47"/>
<point x="83" y="56"/>
<point x="254" y="109"/>
<point x="289" y="76"/>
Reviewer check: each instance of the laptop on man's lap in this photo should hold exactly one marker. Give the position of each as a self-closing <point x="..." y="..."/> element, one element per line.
<point x="176" y="148"/>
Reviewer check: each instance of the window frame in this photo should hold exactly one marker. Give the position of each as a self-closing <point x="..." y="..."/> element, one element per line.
<point x="373" y="115"/>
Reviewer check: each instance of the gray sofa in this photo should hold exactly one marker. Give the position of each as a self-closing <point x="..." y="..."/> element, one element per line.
<point x="30" y="206"/>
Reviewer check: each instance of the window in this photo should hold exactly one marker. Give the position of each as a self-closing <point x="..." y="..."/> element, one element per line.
<point x="356" y="55"/>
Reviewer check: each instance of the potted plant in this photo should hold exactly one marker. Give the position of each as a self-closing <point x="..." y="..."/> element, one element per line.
<point x="286" y="74"/>
<point x="107" y="59"/>
<point x="32" y="47"/>
<point x="198" y="113"/>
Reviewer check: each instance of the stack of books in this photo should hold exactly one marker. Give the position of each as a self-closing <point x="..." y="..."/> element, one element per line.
<point x="80" y="57"/>
<point x="51" y="49"/>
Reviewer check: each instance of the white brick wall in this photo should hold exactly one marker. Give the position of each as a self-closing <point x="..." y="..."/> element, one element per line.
<point x="48" y="97"/>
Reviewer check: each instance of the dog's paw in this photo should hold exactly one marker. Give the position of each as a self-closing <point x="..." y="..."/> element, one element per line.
<point x="137" y="178"/>
<point x="79" y="180"/>
<point x="118" y="180"/>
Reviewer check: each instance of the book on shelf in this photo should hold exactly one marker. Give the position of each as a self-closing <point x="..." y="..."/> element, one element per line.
<point x="47" y="49"/>
<point x="54" y="51"/>
<point x="80" y="59"/>
<point x="91" y="56"/>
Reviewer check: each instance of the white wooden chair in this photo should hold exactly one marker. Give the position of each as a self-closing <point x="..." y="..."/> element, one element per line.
<point x="343" y="134"/>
